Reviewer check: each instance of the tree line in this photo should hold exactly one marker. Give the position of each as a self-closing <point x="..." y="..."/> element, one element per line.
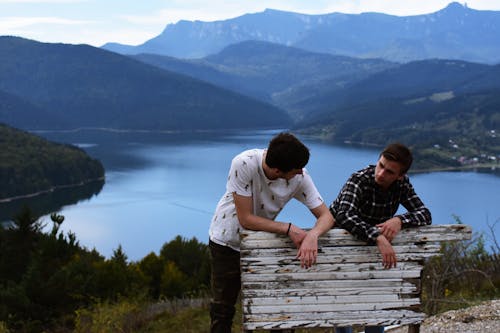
<point x="45" y="277"/>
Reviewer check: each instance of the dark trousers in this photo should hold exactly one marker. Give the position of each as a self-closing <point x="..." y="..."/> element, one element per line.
<point x="226" y="285"/>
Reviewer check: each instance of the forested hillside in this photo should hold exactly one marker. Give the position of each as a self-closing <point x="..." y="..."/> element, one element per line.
<point x="31" y="164"/>
<point x="449" y="111"/>
<point x="18" y="112"/>
<point x="284" y="76"/>
<point x="84" y="86"/>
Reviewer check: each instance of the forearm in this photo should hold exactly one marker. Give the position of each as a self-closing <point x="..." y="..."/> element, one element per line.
<point x="417" y="217"/>
<point x="258" y="223"/>
<point x="324" y="223"/>
<point x="417" y="213"/>
<point x="251" y="221"/>
<point x="357" y="227"/>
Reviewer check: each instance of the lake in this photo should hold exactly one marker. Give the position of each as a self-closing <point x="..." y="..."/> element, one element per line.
<point x="160" y="185"/>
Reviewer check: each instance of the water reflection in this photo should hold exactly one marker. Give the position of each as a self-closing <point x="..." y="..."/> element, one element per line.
<point x="51" y="201"/>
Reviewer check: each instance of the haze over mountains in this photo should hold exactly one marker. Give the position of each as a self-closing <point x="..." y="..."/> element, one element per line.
<point x="284" y="76"/>
<point x="455" y="32"/>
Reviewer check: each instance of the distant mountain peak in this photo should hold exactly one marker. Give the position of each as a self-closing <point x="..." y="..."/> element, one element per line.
<point x="456" y="7"/>
<point x="271" y="10"/>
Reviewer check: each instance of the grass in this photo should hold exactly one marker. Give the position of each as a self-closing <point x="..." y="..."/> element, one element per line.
<point x="191" y="320"/>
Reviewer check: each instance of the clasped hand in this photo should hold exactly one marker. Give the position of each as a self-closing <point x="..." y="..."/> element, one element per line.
<point x="307" y="246"/>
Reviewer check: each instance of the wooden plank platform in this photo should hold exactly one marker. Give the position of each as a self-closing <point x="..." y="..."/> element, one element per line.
<point x="348" y="285"/>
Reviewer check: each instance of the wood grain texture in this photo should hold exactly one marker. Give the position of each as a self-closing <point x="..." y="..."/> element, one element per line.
<point x="347" y="286"/>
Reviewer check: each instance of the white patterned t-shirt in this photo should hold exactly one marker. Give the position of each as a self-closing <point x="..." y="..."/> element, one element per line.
<point x="246" y="178"/>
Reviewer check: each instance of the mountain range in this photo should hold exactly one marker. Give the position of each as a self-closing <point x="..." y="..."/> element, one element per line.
<point x="423" y="103"/>
<point x="254" y="84"/>
<point x="52" y="86"/>
<point x="455" y="32"/>
<point x="281" y="75"/>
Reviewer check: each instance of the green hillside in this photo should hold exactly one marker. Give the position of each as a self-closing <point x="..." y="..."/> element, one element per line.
<point x="284" y="76"/>
<point x="30" y="164"/>
<point x="84" y="86"/>
<point x="448" y="111"/>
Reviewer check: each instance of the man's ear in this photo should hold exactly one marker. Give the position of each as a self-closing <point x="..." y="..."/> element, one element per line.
<point x="276" y="172"/>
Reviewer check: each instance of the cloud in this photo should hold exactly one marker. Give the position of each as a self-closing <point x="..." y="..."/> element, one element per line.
<point x="8" y="24"/>
<point x="41" y="1"/>
<point x="46" y="29"/>
<point x="215" y="10"/>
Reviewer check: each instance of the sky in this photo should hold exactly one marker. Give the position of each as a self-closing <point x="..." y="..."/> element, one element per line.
<point x="133" y="22"/>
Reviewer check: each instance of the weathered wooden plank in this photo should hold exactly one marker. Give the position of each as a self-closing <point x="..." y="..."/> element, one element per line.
<point x="348" y="241"/>
<point x="385" y="274"/>
<point x="326" y="287"/>
<point x="332" y="307"/>
<point x="328" y="284"/>
<point x="366" y="292"/>
<point x="316" y="300"/>
<point x="337" y="268"/>
<point x="323" y="258"/>
<point x="290" y="253"/>
<point x="340" y="315"/>
<point x="329" y="287"/>
<point x="311" y="320"/>
<point x="343" y="314"/>
<point x="347" y="317"/>
<point x="432" y="233"/>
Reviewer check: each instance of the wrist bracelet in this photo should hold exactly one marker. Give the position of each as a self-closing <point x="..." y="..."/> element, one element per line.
<point x="288" y="230"/>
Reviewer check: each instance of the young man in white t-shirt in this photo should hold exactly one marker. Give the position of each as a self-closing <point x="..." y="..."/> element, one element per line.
<point x="260" y="183"/>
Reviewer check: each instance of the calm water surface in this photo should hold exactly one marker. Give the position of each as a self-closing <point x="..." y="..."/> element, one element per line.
<point x="162" y="185"/>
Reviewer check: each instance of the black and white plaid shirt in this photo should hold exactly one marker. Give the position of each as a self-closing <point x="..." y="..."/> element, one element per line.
<point x="362" y="204"/>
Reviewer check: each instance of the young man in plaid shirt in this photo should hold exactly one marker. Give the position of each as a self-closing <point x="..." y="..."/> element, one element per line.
<point x="367" y="204"/>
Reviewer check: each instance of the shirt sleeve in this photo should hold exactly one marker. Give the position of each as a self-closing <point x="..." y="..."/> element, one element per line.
<point x="417" y="213"/>
<point x="345" y="210"/>
<point x="239" y="180"/>
<point x="307" y="193"/>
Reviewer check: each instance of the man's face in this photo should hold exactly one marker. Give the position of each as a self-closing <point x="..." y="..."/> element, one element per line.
<point x="387" y="172"/>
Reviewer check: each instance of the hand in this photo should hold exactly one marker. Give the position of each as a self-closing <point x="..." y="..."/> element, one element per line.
<point x="387" y="252"/>
<point x="308" y="251"/>
<point x="390" y="228"/>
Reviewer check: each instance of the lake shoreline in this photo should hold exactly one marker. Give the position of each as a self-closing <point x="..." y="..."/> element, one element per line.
<point x="490" y="167"/>
<point x="52" y="189"/>
<point x="493" y="169"/>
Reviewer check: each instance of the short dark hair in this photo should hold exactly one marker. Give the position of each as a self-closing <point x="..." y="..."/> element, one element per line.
<point x="398" y="152"/>
<point x="286" y="152"/>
